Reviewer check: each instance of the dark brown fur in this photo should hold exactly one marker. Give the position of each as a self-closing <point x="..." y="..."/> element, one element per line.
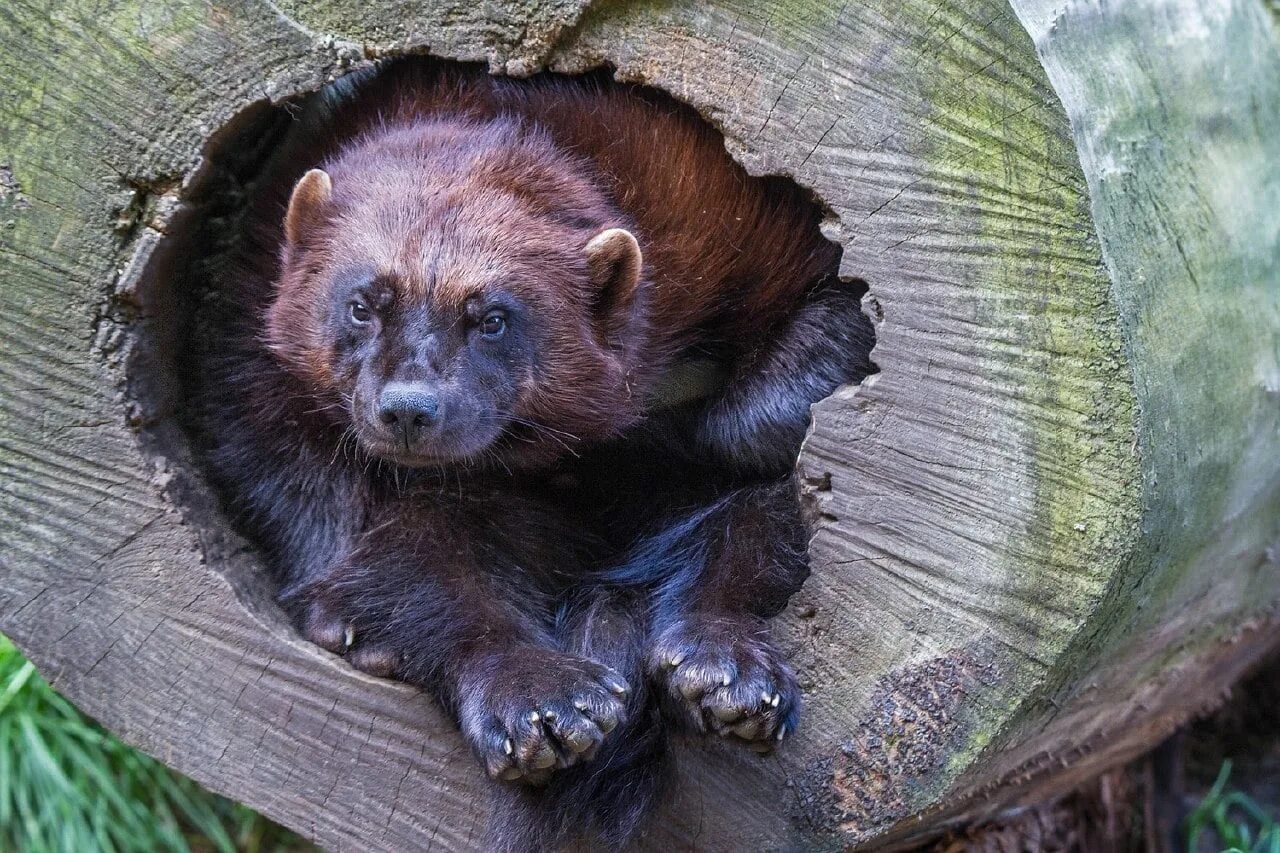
<point x="569" y="555"/>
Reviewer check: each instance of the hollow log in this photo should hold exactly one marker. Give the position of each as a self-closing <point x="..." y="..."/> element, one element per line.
<point x="1048" y="530"/>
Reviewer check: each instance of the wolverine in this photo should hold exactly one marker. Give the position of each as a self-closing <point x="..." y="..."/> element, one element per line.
<point x="508" y="378"/>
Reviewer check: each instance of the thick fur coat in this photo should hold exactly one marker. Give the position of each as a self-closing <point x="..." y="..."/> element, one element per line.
<point x="508" y="378"/>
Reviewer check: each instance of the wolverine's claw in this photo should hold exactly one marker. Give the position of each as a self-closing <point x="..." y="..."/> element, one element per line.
<point x="731" y="681"/>
<point x="606" y="722"/>
<point x="544" y="758"/>
<point x="577" y="741"/>
<point x="543" y="715"/>
<point x="726" y="714"/>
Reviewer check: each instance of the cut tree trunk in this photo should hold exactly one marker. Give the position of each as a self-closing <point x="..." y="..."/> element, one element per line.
<point x="1050" y="527"/>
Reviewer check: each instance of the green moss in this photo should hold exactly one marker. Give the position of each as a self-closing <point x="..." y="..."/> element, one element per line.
<point x="788" y="22"/>
<point x="1039" y="284"/>
<point x="1185" y="177"/>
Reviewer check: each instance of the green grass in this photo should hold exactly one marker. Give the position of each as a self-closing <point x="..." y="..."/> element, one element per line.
<point x="1240" y="824"/>
<point x="67" y="785"/>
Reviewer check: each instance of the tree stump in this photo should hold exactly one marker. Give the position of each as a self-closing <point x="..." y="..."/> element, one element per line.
<point x="1049" y="528"/>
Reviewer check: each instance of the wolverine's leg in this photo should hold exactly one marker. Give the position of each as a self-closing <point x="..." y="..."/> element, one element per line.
<point x="757" y="422"/>
<point x="457" y="596"/>
<point x="719" y="574"/>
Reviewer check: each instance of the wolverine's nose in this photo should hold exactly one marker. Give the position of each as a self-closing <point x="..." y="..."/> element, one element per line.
<point x="408" y="408"/>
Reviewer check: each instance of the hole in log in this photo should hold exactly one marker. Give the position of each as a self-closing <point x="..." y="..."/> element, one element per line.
<point x="189" y="289"/>
<point x="180" y="287"/>
<point x="155" y="322"/>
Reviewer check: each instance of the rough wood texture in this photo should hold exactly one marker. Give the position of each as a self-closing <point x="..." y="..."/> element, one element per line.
<point x="1051" y="525"/>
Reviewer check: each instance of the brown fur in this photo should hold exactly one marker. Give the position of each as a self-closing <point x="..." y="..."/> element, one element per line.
<point x="725" y="256"/>
<point x="551" y="530"/>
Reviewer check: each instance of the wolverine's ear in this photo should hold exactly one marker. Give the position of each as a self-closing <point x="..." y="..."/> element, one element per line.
<point x="310" y="197"/>
<point x="613" y="257"/>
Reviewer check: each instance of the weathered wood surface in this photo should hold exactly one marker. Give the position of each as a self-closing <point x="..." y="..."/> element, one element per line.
<point x="1051" y="524"/>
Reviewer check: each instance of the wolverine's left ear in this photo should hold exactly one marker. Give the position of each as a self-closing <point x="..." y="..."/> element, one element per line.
<point x="614" y="259"/>
<point x="311" y="195"/>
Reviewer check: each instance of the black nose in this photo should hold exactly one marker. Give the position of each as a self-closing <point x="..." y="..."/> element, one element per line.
<point x="408" y="408"/>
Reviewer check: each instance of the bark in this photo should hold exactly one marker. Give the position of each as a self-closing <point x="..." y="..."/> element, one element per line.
<point x="1049" y="528"/>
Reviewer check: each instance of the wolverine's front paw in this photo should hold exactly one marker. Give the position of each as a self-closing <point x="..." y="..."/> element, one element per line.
<point x="723" y="674"/>
<point x="328" y="626"/>
<point x="531" y="711"/>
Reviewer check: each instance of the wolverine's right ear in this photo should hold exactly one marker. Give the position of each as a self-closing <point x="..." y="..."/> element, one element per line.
<point x="310" y="197"/>
<point x="614" y="259"/>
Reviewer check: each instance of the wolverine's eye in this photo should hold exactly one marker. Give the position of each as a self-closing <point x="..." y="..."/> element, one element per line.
<point x="360" y="313"/>
<point x="493" y="325"/>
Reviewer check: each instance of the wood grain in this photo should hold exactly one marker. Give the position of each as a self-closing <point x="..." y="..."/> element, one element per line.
<point x="1042" y="525"/>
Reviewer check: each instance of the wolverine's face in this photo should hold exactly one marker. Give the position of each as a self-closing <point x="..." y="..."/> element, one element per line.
<point x="426" y="380"/>
<point x="455" y="325"/>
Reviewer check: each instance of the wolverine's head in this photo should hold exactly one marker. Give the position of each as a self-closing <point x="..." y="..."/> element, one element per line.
<point x="454" y="292"/>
